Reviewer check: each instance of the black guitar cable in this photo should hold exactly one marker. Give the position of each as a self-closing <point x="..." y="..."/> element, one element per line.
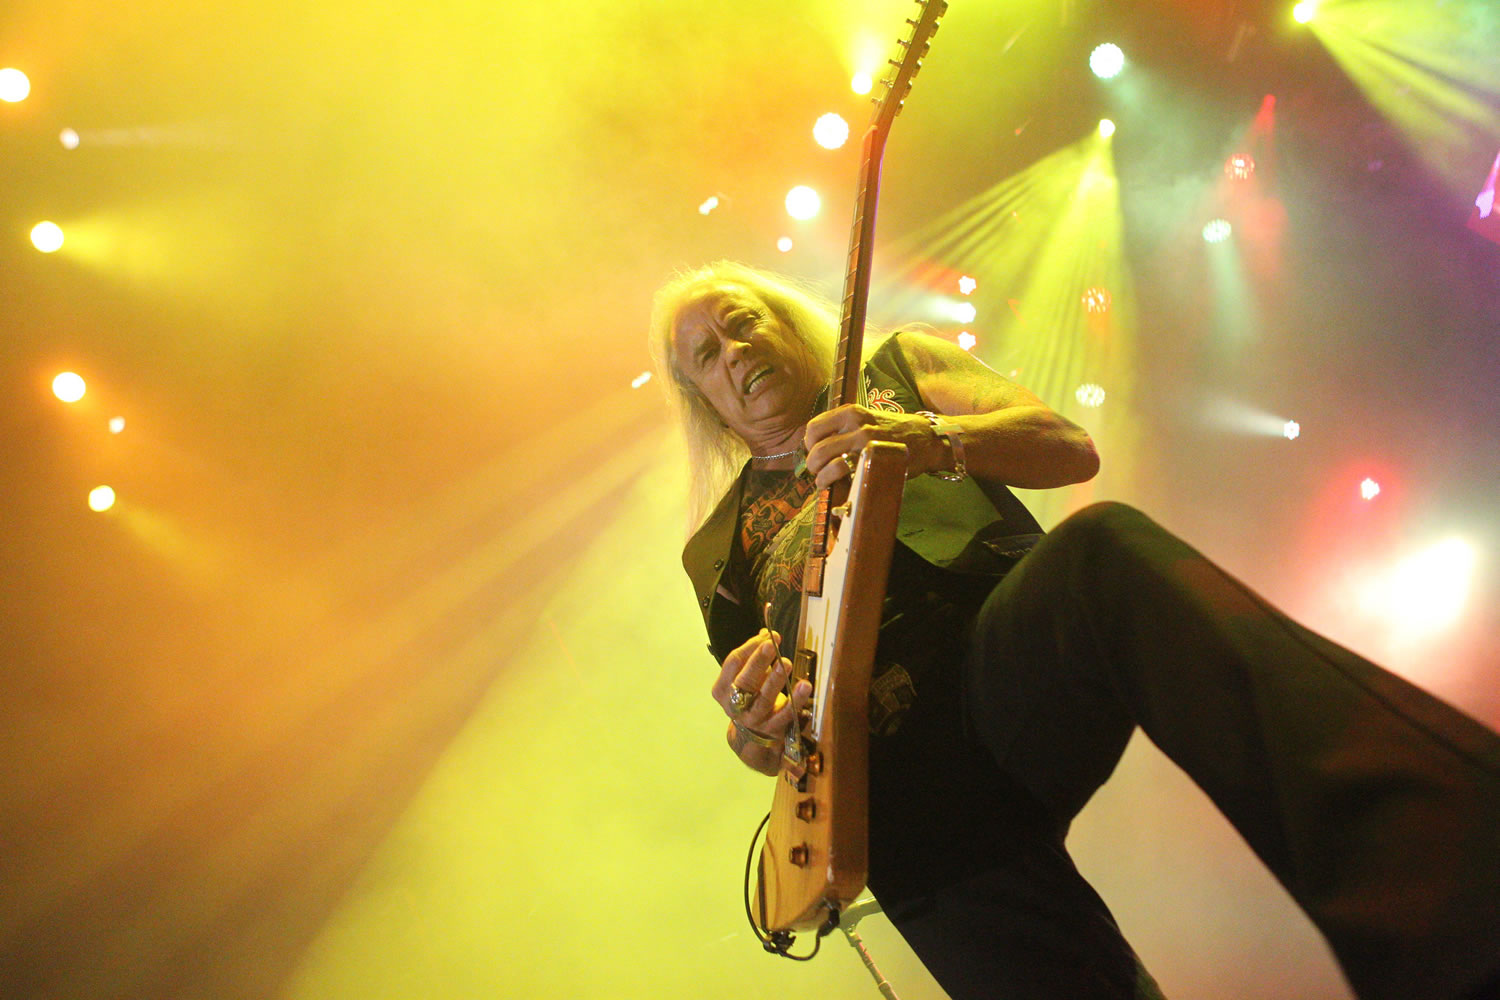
<point x="780" y="942"/>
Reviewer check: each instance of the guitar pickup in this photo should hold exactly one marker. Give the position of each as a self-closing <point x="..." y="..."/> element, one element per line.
<point x="805" y="664"/>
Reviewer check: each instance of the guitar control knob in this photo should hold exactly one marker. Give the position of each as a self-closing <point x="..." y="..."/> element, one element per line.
<point x="807" y="810"/>
<point x="815" y="763"/>
<point x="799" y="855"/>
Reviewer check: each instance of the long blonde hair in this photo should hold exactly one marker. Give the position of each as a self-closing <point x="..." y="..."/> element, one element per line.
<point x="715" y="453"/>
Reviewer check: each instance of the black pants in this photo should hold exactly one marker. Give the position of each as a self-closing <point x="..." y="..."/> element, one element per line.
<point x="1376" y="805"/>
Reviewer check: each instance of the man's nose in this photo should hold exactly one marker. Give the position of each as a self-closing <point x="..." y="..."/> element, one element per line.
<point x="736" y="348"/>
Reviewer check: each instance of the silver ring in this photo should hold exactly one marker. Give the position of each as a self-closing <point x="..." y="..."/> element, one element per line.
<point x="741" y="699"/>
<point x="850" y="462"/>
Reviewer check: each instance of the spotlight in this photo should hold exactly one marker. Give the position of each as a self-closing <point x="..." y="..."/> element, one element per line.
<point x="640" y="380"/>
<point x="101" y="498"/>
<point x="784" y="244"/>
<point x="1217" y="231"/>
<point x="1291" y="430"/>
<point x="1107" y="61"/>
<point x="709" y="204"/>
<point x="1106" y="127"/>
<point x="967" y="340"/>
<point x="14" y="86"/>
<point x="1090" y="394"/>
<point x="963" y="312"/>
<point x="68" y="138"/>
<point x="1369" y="489"/>
<point x="830" y="131"/>
<point x="1240" y="166"/>
<point x="1423" y="592"/>
<point x="802" y="202"/>
<point x="1096" y="300"/>
<point x="1304" y="11"/>
<point x="862" y="83"/>
<point x="47" y="237"/>
<point x="966" y="285"/>
<point x="116" y="425"/>
<point x="69" y="387"/>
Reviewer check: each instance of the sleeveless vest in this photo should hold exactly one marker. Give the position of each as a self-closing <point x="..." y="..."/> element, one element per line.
<point x="964" y="527"/>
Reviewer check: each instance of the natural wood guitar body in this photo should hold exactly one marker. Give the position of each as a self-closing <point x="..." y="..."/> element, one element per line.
<point x="815" y="858"/>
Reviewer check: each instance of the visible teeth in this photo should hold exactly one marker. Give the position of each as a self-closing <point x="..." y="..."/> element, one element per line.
<point x="753" y="379"/>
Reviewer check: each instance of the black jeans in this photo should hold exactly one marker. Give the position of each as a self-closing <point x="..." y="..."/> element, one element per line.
<point x="1376" y="805"/>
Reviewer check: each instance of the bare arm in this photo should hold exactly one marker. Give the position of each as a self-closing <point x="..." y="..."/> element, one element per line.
<point x="1009" y="435"/>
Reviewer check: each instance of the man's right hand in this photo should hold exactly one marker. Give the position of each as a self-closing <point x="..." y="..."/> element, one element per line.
<point x="749" y="689"/>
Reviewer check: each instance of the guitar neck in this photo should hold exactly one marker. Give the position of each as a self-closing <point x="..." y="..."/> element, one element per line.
<point x="845" y="388"/>
<point x="846" y="365"/>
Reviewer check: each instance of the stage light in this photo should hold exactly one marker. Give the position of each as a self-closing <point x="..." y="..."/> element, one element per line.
<point x="116" y="425"/>
<point x="830" y="131"/>
<point x="69" y="387"/>
<point x="862" y="83"/>
<point x="47" y="237"/>
<point x="966" y="285"/>
<point x="101" y="498"/>
<point x="1369" y="489"/>
<point x="709" y="204"/>
<point x="1090" y="395"/>
<point x="1096" y="300"/>
<point x="640" y="380"/>
<point x="1291" y="430"/>
<point x="1107" y="61"/>
<point x="784" y="244"/>
<point x="1106" y="127"/>
<point x="1304" y="11"/>
<point x="967" y="340"/>
<point x="962" y="312"/>
<point x="1217" y="231"/>
<point x="1424" y="592"/>
<point x="68" y="138"/>
<point x="1240" y="166"/>
<point x="14" y="86"/>
<point x="802" y="202"/>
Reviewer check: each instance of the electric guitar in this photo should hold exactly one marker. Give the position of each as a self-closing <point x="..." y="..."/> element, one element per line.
<point x="815" y="858"/>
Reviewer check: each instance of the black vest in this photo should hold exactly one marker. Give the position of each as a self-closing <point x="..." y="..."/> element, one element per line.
<point x="964" y="527"/>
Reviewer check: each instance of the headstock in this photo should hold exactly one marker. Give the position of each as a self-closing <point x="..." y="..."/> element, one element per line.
<point x="914" y="49"/>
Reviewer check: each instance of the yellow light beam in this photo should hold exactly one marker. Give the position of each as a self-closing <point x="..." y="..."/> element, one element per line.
<point x="1426" y="71"/>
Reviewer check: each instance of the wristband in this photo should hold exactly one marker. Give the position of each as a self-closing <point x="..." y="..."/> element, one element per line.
<point x="955" y="435"/>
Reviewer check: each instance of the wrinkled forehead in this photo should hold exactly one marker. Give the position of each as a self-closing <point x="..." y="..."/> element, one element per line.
<point x="712" y="305"/>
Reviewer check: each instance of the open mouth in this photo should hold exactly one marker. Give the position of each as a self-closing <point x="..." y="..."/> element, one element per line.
<point x="755" y="378"/>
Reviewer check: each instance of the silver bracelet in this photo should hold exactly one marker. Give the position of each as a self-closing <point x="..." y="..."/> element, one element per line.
<point x="955" y="435"/>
